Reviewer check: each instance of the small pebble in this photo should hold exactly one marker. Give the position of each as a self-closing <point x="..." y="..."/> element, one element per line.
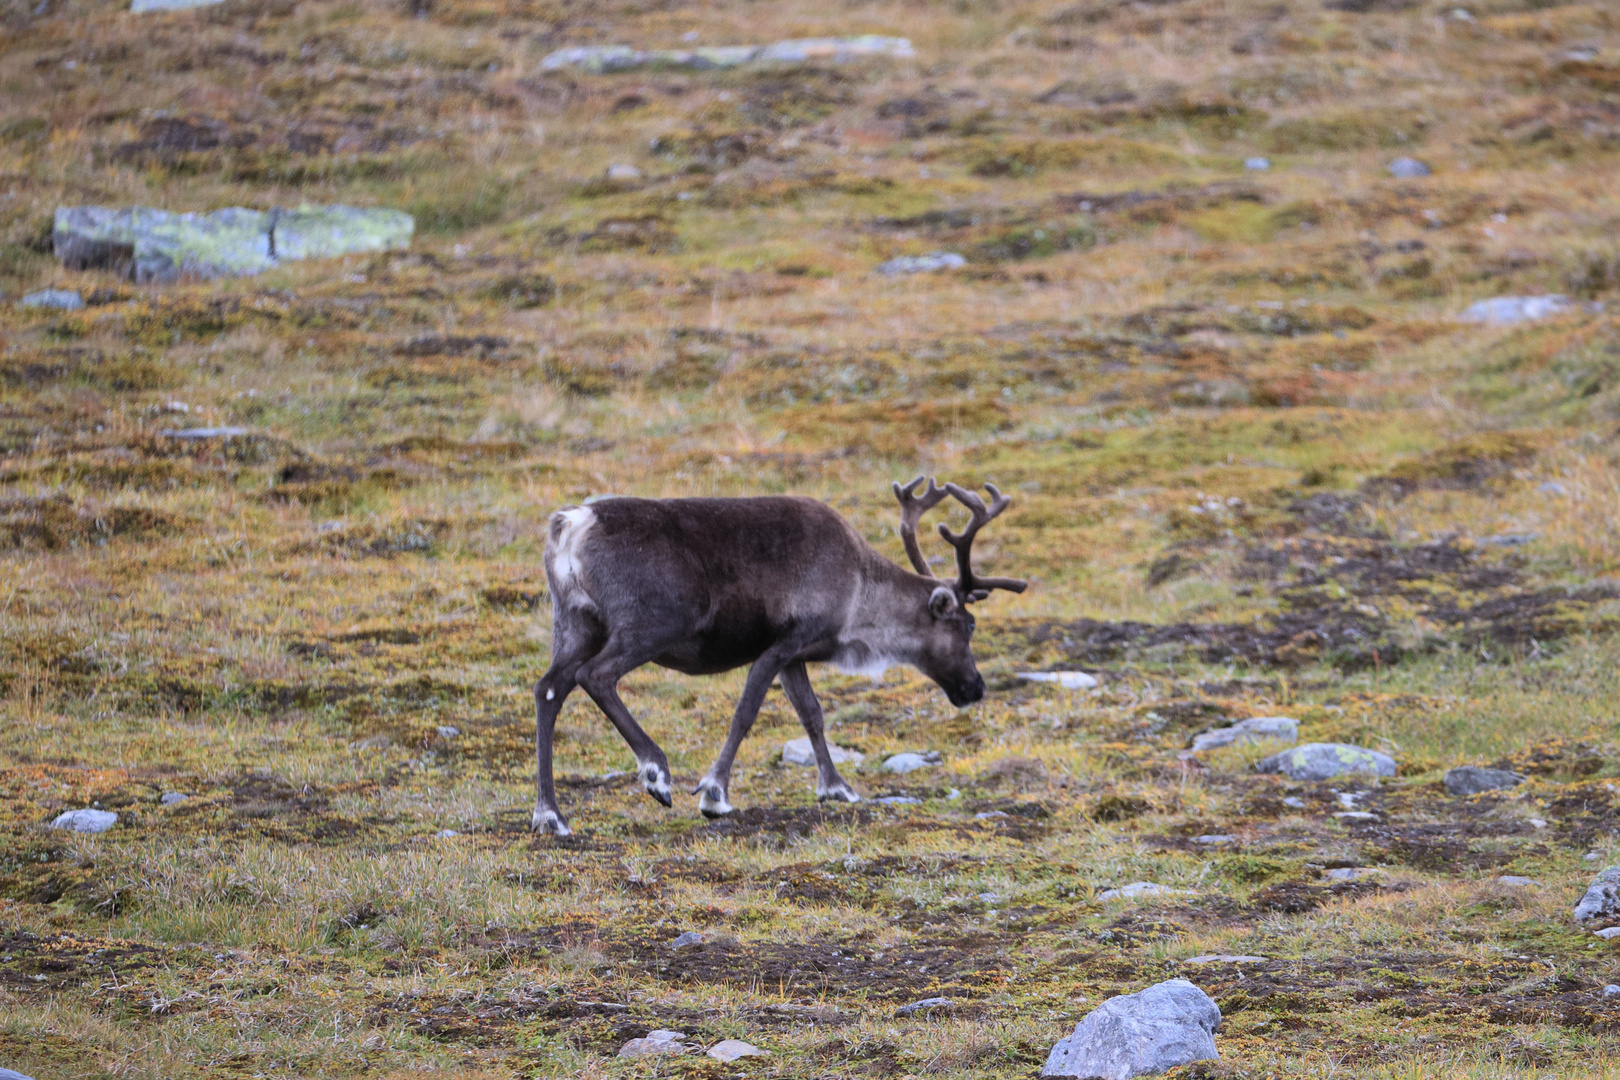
<point x="1256" y="164"/>
<point x="1611" y="991"/>
<point x="1611" y="932"/>
<point x="1353" y="873"/>
<point x="925" y="1006"/>
<point x="60" y="299"/>
<point x="656" y="1042"/>
<point x="171" y="797"/>
<point x="1295" y="802"/>
<point x="446" y="731"/>
<point x="1539" y="823"/>
<point x="1356" y="815"/>
<point x="691" y="937"/>
<point x="987" y="815"/>
<point x="623" y="172"/>
<point x="1514" y="881"/>
<point x="1215" y="838"/>
<point x="1405" y="168"/>
<point x="445" y="834"/>
<point x="90" y="821"/>
<point x="897" y="800"/>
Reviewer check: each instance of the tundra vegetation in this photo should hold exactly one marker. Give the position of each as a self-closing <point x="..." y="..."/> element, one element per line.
<point x="1259" y="468"/>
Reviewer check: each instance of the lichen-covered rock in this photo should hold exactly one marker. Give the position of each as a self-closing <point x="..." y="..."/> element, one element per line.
<point x="1172" y="1023"/>
<point x="1601" y="904"/>
<point x="1472" y="779"/>
<point x="319" y="232"/>
<point x="1255" y="729"/>
<point x="1324" y="761"/>
<point x="149" y="245"/>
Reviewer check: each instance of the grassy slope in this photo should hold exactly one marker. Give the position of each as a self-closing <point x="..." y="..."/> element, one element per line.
<point x="1231" y="405"/>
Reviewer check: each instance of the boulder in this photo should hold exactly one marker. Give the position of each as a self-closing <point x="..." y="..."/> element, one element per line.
<point x="798" y="752"/>
<point x="732" y="1049"/>
<point x="1406" y="168"/>
<point x="656" y="1042"/>
<point x="1601" y="904"/>
<point x="1255" y="729"/>
<point x="1472" y="779"/>
<point x="1069" y="680"/>
<point x="92" y="821"/>
<point x="1169" y="1024"/>
<point x="1324" y="761"/>
<point x="910" y="762"/>
<point x="149" y="245"/>
<point x="933" y="262"/>
<point x="59" y="299"/>
<point x="1506" y="310"/>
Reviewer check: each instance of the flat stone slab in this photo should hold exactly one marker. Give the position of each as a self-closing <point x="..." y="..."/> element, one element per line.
<point x="1169" y="1024"/>
<point x="1223" y="958"/>
<point x="733" y="1049"/>
<point x="1255" y="729"/>
<point x="1069" y="680"/>
<point x="140" y="6"/>
<point x="91" y="821"/>
<point x="1472" y="779"/>
<point x="59" y="299"/>
<point x="910" y="762"/>
<point x="933" y="262"/>
<point x="1506" y="310"/>
<point x="1324" y="761"/>
<point x="604" y="59"/>
<point x="1142" y="888"/>
<point x="798" y="752"/>
<point x="149" y="245"/>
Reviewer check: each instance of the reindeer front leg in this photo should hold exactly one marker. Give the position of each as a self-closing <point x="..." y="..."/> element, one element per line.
<point x="711" y="790"/>
<point x="796" y="684"/>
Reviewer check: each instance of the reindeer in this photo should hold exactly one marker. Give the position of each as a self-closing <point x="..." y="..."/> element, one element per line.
<point x="707" y="585"/>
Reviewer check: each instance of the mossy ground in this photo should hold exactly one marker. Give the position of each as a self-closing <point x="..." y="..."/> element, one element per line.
<point x="1257" y="466"/>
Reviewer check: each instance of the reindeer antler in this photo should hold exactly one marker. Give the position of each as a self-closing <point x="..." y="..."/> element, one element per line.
<point x="912" y="508"/>
<point x="969" y="586"/>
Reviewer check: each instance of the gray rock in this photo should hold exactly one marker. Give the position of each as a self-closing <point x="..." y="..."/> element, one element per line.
<point x="449" y="731"/>
<point x="1608" y="933"/>
<point x="1323" y="761"/>
<point x="1611" y="991"/>
<point x="1223" y="958"/>
<point x="798" y="752"/>
<point x="446" y="834"/>
<point x="1602" y="900"/>
<point x="1356" y="815"/>
<point x="321" y="232"/>
<point x="656" y="1042"/>
<point x="1552" y="487"/>
<point x="897" y="800"/>
<point x="623" y="172"/>
<point x="930" y="263"/>
<point x="170" y="798"/>
<point x="13" y="1074"/>
<point x="139" y="6"/>
<point x="1353" y="873"/>
<point x="1069" y="680"/>
<point x="92" y="821"/>
<point x="990" y="815"/>
<point x="1506" y="310"/>
<point x="1172" y="1023"/>
<point x="1514" y="881"/>
<point x="1507" y="540"/>
<point x="1255" y="729"/>
<point x="732" y="1049"/>
<point x="601" y="59"/>
<point x="1294" y="802"/>
<point x="60" y="299"/>
<point x="910" y="762"/>
<point x="1472" y="779"/>
<point x="1257" y="164"/>
<point x="691" y="937"/>
<point x="1141" y="888"/>
<point x="202" y="433"/>
<point x="149" y="245"/>
<point x="926" y="1006"/>
<point x="1215" y="838"/>
<point x="1406" y="168"/>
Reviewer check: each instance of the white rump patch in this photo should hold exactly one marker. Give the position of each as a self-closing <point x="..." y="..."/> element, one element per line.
<point x="564" y="554"/>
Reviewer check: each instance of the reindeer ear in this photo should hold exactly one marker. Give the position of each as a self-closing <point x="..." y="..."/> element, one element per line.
<point x="942" y="602"/>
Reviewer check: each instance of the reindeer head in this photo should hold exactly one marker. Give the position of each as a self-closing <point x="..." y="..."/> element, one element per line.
<point x="946" y="655"/>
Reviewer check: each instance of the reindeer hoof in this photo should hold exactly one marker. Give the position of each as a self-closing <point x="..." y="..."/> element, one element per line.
<point x="842" y="791"/>
<point x="549" y="821"/>
<point x="656" y="780"/>
<point x="711" y="800"/>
